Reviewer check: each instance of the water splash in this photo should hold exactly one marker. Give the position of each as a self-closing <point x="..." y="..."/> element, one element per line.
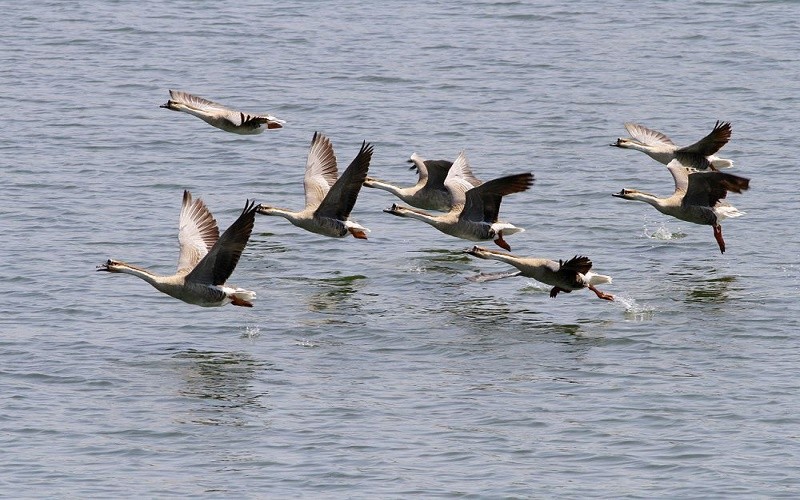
<point x="633" y="310"/>
<point x="305" y="343"/>
<point x="662" y="233"/>
<point x="251" y="332"/>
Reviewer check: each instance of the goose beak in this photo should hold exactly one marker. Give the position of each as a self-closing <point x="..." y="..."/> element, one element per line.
<point x="622" y="194"/>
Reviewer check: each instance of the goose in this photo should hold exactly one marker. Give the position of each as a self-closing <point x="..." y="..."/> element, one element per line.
<point x="220" y="116"/>
<point x="573" y="274"/>
<point x="429" y="193"/>
<point x="206" y="259"/>
<point x="475" y="209"/>
<point x="697" y="198"/>
<point x="699" y="156"/>
<point x="329" y="200"/>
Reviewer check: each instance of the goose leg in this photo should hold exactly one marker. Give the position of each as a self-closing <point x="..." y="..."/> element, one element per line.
<point x="240" y="302"/>
<point x="718" y="237"/>
<point x="604" y="296"/>
<point x="499" y="241"/>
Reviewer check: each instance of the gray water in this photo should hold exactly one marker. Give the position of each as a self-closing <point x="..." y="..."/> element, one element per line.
<point x="374" y="368"/>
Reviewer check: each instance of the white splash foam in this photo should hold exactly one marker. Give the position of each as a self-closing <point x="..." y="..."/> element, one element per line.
<point x="633" y="310"/>
<point x="251" y="332"/>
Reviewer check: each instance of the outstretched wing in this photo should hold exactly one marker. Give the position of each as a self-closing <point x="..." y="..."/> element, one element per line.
<point x="647" y="136"/>
<point x="197" y="232"/>
<point x="321" y="171"/>
<point x="579" y="263"/>
<point x="483" y="202"/>
<point x="216" y="267"/>
<point x="198" y="103"/>
<point x="711" y="143"/>
<point x="707" y="188"/>
<point x="341" y="198"/>
<point x="459" y="181"/>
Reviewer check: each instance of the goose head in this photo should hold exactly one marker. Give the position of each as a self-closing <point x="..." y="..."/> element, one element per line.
<point x="112" y="266"/>
<point x="628" y="194"/>
<point x="401" y="211"/>
<point x="626" y="142"/>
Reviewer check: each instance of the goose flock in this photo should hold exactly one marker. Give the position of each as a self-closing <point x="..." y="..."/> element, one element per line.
<point x="469" y="208"/>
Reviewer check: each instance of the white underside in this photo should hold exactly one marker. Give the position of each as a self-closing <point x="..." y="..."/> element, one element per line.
<point x="355" y="225"/>
<point x="506" y="228"/>
<point x="727" y="212"/>
<point x="239" y="293"/>
<point x="596" y="279"/>
<point x="720" y="162"/>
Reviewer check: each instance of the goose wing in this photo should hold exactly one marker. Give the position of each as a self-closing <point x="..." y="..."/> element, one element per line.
<point x="570" y="269"/>
<point x="341" y="198"/>
<point x="711" y="143"/>
<point x="197" y="232"/>
<point x="321" y="171"/>
<point x="216" y="267"/>
<point x="459" y="180"/>
<point x="579" y="263"/>
<point x="198" y="103"/>
<point x="483" y="202"/>
<point x="215" y="110"/>
<point x="708" y="188"/>
<point x="648" y="136"/>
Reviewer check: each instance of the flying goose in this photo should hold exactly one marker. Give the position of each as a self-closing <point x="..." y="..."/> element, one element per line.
<point x="206" y="259"/>
<point x="220" y="116"/>
<point x="697" y="198"/>
<point x="475" y="209"/>
<point x="329" y="200"/>
<point x="429" y="193"/>
<point x="699" y="156"/>
<point x="573" y="274"/>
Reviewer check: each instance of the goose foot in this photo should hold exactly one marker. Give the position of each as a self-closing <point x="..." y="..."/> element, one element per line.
<point x="357" y="233"/>
<point x="554" y="291"/>
<point x="718" y="237"/>
<point x="240" y="302"/>
<point x="604" y="296"/>
<point x="499" y="241"/>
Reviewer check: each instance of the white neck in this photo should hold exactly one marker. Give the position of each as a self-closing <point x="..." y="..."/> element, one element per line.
<point x="286" y="214"/>
<point x="395" y="190"/>
<point x="144" y="274"/>
<point x="658" y="203"/>
<point x="420" y="215"/>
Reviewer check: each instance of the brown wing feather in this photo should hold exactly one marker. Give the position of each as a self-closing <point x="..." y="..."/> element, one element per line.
<point x="341" y="198"/>
<point x="711" y="143"/>
<point x="708" y="188"/>
<point x="483" y="202"/>
<point x="579" y="263"/>
<point x="218" y="265"/>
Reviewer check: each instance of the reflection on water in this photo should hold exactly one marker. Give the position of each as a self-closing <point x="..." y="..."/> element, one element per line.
<point x="702" y="284"/>
<point x="222" y="382"/>
<point x="442" y="261"/>
<point x="336" y="294"/>
<point x="714" y="290"/>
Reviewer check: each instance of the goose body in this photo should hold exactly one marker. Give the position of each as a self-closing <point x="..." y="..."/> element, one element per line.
<point x="329" y="198"/>
<point x="475" y="209"/>
<point x="699" y="156"/>
<point x="698" y="197"/>
<point x="220" y="116"/>
<point x="206" y="259"/>
<point x="574" y="274"/>
<point x="429" y="193"/>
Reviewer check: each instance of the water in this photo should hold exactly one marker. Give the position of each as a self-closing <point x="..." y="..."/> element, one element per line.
<point x="376" y="369"/>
